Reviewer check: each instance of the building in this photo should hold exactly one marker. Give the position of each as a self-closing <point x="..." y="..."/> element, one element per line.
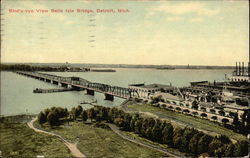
<point x="145" y="91"/>
<point x="169" y="98"/>
<point x="241" y="73"/>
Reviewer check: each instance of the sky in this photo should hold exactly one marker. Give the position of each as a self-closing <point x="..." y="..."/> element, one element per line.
<point x="210" y="32"/>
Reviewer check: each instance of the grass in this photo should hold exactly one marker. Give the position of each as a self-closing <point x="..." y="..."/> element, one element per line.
<point x="18" y="140"/>
<point x="191" y="121"/>
<point x="99" y="142"/>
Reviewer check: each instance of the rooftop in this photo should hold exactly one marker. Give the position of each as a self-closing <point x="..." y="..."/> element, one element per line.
<point x="152" y="86"/>
<point x="169" y="96"/>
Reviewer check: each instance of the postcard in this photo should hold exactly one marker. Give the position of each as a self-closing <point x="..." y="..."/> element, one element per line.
<point x="124" y="78"/>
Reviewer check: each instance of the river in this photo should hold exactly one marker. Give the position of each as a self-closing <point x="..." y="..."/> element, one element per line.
<point x="17" y="95"/>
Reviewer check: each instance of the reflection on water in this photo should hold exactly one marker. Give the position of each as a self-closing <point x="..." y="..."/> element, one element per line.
<point x="17" y="95"/>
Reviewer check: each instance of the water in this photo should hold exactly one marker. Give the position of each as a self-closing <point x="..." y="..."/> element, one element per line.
<point x="17" y="95"/>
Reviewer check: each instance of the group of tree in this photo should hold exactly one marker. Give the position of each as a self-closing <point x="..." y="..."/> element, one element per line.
<point x="243" y="125"/>
<point x="185" y="139"/>
<point x="26" y="67"/>
<point x="52" y="115"/>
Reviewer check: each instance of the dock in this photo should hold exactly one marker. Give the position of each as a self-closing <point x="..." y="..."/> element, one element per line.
<point x="39" y="90"/>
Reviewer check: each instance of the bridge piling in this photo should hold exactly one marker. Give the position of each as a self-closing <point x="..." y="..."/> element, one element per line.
<point x="64" y="85"/>
<point x="90" y="92"/>
<point x="109" y="97"/>
<point x="54" y="82"/>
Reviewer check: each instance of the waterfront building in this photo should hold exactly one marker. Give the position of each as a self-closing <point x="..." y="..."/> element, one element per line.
<point x="146" y="91"/>
<point x="241" y="73"/>
<point x="167" y="97"/>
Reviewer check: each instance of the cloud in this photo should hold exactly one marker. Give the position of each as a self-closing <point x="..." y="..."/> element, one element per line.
<point x="174" y="18"/>
<point x="197" y="8"/>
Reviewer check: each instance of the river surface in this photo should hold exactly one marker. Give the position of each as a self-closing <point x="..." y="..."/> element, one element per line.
<point x="17" y="95"/>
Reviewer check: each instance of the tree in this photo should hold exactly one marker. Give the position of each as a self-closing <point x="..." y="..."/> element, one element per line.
<point x="195" y="104"/>
<point x="203" y="115"/>
<point x="84" y="115"/>
<point x="127" y="118"/>
<point x="203" y="109"/>
<point x="156" y="131"/>
<point x="232" y="114"/>
<point x="73" y="113"/>
<point x="186" y="137"/>
<point x="163" y="106"/>
<point x="156" y="99"/>
<point x="193" y="143"/>
<point x="46" y="112"/>
<point x="215" y="144"/>
<point x="52" y="118"/>
<point x="138" y="125"/>
<point x="195" y="113"/>
<point x="60" y="112"/>
<point x="177" y="137"/>
<point x="212" y="111"/>
<point x="220" y="152"/>
<point x="41" y="118"/>
<point x="167" y="134"/>
<point x="78" y="111"/>
<point x="186" y="111"/>
<point x="91" y="113"/>
<point x="214" y="117"/>
<point x="224" y="139"/>
<point x="245" y="127"/>
<point x="224" y="121"/>
<point x="203" y="143"/>
<point x="104" y="113"/>
<point x="195" y="107"/>
<point x="144" y="127"/>
<point x="133" y="120"/>
<point x="178" y="108"/>
<point x="230" y="150"/>
<point x="236" y="122"/>
<point x="241" y="149"/>
<point x="222" y="113"/>
<point x="119" y="122"/>
<point x="111" y="114"/>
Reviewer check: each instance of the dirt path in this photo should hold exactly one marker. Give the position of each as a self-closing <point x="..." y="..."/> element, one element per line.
<point x="153" y="147"/>
<point x="72" y="147"/>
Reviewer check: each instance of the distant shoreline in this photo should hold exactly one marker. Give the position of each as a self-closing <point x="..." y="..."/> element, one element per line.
<point x="106" y="66"/>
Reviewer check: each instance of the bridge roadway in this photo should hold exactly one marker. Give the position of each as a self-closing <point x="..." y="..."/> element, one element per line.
<point x="78" y="83"/>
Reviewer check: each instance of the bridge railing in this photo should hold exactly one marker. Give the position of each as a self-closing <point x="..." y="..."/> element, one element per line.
<point x="115" y="90"/>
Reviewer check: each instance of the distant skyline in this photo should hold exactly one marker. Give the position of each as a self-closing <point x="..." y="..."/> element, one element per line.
<point x="149" y="33"/>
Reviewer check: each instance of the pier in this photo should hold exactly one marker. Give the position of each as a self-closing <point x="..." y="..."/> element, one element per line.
<point x="77" y="83"/>
<point x="39" y="90"/>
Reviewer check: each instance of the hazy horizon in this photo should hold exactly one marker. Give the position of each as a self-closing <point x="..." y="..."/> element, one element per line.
<point x="119" y="64"/>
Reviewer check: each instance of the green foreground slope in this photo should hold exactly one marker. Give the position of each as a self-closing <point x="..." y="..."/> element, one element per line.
<point x="18" y="140"/>
<point x="99" y="142"/>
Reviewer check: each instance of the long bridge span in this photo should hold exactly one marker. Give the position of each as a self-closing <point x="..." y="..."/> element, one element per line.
<point x="78" y="83"/>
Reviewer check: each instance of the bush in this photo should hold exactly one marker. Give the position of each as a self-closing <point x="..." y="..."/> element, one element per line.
<point x="42" y="118"/>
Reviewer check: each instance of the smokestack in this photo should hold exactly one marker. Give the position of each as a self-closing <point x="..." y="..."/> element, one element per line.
<point x="236" y="70"/>
<point x="249" y="68"/>
<point x="239" y="70"/>
<point x="242" y="68"/>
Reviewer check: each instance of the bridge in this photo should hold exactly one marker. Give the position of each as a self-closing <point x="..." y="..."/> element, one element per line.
<point x="77" y="83"/>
